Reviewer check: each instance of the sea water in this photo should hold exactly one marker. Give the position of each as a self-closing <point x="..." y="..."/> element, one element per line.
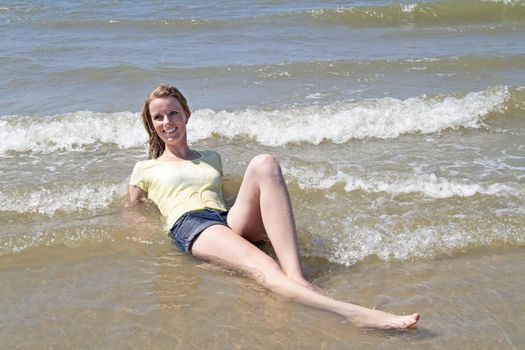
<point x="399" y="126"/>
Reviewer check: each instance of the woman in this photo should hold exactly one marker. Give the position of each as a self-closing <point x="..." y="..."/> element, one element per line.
<point x="186" y="185"/>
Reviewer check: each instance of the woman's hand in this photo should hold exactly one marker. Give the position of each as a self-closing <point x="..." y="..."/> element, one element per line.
<point x="134" y="216"/>
<point x="136" y="197"/>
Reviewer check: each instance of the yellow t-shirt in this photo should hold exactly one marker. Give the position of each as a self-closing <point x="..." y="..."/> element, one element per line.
<point x="177" y="187"/>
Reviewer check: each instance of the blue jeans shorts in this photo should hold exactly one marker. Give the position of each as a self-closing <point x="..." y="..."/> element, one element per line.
<point x="190" y="225"/>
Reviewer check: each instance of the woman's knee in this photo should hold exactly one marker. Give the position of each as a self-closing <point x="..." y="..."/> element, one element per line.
<point x="265" y="165"/>
<point x="267" y="271"/>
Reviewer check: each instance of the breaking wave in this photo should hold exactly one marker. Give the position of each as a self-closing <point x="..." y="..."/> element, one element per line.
<point x="312" y="124"/>
<point x="66" y="199"/>
<point x="426" y="184"/>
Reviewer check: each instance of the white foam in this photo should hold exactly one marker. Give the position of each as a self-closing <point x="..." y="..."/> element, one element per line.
<point x="71" y="132"/>
<point x="408" y="7"/>
<point x="67" y="199"/>
<point x="315" y="96"/>
<point x="506" y="2"/>
<point x="426" y="184"/>
<point x="341" y="122"/>
<point x="70" y="237"/>
<point x="359" y="243"/>
<point x="338" y="123"/>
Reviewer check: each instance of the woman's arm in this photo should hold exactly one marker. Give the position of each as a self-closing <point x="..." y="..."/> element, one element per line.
<point x="132" y="212"/>
<point x="136" y="196"/>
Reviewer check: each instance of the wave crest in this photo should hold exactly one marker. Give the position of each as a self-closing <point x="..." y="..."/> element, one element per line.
<point x="313" y="124"/>
<point x="338" y="123"/>
<point x="66" y="199"/>
<point x="424" y="13"/>
<point x="427" y="184"/>
<point x="73" y="132"/>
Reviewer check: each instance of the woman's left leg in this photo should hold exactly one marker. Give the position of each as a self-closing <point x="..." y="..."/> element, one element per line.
<point x="263" y="205"/>
<point x="220" y="244"/>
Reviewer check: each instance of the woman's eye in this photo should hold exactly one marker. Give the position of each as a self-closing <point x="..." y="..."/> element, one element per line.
<point x="174" y="113"/>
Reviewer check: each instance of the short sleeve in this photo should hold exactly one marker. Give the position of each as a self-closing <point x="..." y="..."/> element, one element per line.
<point x="137" y="177"/>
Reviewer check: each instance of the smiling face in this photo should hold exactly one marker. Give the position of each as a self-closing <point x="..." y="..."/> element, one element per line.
<point x="169" y="120"/>
<point x="161" y="92"/>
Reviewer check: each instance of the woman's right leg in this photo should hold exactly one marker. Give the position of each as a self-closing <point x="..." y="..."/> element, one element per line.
<point x="263" y="205"/>
<point x="221" y="245"/>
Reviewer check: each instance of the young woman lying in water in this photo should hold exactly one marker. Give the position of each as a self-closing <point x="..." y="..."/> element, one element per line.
<point x="186" y="185"/>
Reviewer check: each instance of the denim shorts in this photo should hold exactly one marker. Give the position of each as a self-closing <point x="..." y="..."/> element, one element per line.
<point x="190" y="225"/>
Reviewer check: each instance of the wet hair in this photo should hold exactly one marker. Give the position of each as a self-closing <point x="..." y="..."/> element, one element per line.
<point x="156" y="145"/>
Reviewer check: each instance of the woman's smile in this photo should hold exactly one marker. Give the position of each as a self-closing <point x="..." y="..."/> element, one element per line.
<point x="169" y="119"/>
<point x="170" y="132"/>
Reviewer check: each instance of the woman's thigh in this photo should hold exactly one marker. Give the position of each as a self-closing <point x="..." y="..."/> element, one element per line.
<point x="245" y="215"/>
<point x="220" y="244"/>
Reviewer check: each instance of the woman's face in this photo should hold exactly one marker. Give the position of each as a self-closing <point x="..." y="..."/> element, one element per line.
<point x="169" y="120"/>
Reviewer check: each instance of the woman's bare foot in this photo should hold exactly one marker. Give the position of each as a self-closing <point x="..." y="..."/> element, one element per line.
<point x="368" y="318"/>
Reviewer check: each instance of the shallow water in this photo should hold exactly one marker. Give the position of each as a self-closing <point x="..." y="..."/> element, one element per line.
<point x="126" y="295"/>
<point x="399" y="127"/>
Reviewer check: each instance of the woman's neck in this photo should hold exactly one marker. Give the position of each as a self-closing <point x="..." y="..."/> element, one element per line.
<point x="179" y="153"/>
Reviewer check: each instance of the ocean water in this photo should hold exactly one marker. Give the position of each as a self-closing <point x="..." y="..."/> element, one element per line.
<point x="399" y="125"/>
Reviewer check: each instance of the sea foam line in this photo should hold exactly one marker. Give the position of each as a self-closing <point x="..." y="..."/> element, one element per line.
<point x="47" y="201"/>
<point x="427" y="184"/>
<point x="373" y="118"/>
<point x="73" y="237"/>
<point x="72" y="132"/>
<point x="361" y="242"/>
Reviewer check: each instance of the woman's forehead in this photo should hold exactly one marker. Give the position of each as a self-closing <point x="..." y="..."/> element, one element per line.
<point x="164" y="103"/>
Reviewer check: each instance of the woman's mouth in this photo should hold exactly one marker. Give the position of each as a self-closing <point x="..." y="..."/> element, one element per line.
<point x="169" y="131"/>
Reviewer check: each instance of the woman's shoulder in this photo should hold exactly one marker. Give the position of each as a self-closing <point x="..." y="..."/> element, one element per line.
<point x="140" y="172"/>
<point x="145" y="163"/>
<point x="142" y="165"/>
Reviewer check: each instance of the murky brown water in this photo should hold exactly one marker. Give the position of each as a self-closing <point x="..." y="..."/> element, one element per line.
<point x="403" y="148"/>
<point x="128" y="295"/>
